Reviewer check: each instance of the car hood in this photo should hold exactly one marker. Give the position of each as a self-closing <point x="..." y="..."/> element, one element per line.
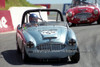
<point x="80" y="9"/>
<point x="43" y="34"/>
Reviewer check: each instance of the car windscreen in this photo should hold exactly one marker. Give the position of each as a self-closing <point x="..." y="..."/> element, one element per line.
<point x="83" y="2"/>
<point x="44" y="18"/>
<point x="52" y="23"/>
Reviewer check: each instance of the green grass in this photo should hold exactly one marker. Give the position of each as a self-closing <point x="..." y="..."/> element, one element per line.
<point x="16" y="3"/>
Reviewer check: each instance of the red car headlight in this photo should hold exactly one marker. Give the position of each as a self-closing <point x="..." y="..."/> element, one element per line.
<point x="95" y="11"/>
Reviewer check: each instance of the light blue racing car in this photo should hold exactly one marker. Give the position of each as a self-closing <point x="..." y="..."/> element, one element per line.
<point x="43" y="34"/>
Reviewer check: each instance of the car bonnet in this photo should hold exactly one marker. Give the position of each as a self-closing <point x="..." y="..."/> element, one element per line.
<point x="44" y="34"/>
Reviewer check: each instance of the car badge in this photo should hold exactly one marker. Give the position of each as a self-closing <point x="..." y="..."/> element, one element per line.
<point x="82" y="10"/>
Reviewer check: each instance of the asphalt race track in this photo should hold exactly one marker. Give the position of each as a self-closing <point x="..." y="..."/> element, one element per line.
<point x="89" y="45"/>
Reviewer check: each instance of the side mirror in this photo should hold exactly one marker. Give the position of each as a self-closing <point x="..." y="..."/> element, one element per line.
<point x="19" y="26"/>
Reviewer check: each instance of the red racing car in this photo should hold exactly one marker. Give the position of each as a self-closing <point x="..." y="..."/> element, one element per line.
<point x="83" y="11"/>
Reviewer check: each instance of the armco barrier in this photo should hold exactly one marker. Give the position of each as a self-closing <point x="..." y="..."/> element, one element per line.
<point x="5" y="21"/>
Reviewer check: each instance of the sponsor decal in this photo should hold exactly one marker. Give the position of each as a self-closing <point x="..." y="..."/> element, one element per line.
<point x="5" y="21"/>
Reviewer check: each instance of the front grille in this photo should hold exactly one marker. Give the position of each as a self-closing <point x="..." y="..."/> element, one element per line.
<point x="51" y="46"/>
<point x="83" y="15"/>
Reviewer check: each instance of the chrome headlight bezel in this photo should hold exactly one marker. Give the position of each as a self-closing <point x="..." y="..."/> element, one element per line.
<point x="70" y="14"/>
<point x="30" y="44"/>
<point x="72" y="42"/>
<point x="95" y="11"/>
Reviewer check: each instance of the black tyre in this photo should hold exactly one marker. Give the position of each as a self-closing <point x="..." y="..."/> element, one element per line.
<point x="70" y="24"/>
<point x="75" y="58"/>
<point x="98" y="21"/>
<point x="25" y="57"/>
<point x="73" y="24"/>
<point x="18" y="49"/>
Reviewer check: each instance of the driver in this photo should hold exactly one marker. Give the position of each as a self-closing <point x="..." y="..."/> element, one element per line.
<point x="33" y="19"/>
<point x="77" y="2"/>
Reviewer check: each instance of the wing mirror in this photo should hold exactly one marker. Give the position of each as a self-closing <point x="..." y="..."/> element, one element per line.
<point x="19" y="26"/>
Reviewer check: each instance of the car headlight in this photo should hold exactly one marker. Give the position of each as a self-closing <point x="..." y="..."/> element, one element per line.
<point x="96" y="11"/>
<point x="30" y="44"/>
<point x="72" y="42"/>
<point x="70" y="14"/>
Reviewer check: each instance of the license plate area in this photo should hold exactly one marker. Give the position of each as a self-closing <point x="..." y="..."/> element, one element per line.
<point x="83" y="18"/>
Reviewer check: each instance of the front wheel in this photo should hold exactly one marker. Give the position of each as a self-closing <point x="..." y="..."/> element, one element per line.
<point x="70" y="24"/>
<point x="98" y="21"/>
<point x="75" y="58"/>
<point x="25" y="57"/>
<point x="18" y="49"/>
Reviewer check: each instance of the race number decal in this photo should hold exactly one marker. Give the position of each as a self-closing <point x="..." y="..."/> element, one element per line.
<point x="48" y="32"/>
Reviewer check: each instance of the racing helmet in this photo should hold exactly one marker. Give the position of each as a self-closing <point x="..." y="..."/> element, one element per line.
<point x="33" y="18"/>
